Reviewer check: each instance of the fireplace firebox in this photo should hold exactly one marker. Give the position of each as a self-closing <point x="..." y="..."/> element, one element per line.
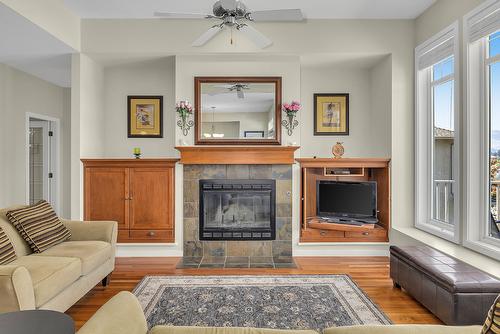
<point x="237" y="209"/>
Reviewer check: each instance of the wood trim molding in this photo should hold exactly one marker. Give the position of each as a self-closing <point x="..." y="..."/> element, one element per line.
<point x="344" y="162"/>
<point x="237" y="155"/>
<point x="168" y="162"/>
<point x="277" y="81"/>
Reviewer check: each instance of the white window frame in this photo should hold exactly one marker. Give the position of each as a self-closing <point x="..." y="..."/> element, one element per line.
<point x="476" y="97"/>
<point x="424" y="136"/>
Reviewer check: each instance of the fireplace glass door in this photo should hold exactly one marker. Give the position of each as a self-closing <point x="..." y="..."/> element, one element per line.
<point x="237" y="209"/>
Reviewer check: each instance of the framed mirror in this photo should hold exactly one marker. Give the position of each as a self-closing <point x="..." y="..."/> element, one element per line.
<point x="237" y="110"/>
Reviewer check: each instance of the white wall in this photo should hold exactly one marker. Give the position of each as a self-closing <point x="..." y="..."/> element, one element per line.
<point x="87" y="122"/>
<point x="107" y="38"/>
<point x="21" y="93"/>
<point x="51" y="15"/>
<point x="440" y="15"/>
<point x="369" y="109"/>
<point x="151" y="77"/>
<point x="381" y="107"/>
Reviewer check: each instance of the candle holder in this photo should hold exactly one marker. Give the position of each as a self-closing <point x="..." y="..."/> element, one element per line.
<point x="137" y="153"/>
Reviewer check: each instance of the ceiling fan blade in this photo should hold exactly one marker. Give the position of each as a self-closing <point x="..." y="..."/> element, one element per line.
<point x="223" y="86"/>
<point x="240" y="94"/>
<point x="166" y="15"/>
<point x="207" y="35"/>
<point x="277" y="15"/>
<point x="259" y="39"/>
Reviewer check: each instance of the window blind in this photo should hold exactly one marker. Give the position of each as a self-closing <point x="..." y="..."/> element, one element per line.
<point x="485" y="22"/>
<point x="436" y="54"/>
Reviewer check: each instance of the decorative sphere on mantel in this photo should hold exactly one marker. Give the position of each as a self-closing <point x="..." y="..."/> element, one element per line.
<point x="338" y="150"/>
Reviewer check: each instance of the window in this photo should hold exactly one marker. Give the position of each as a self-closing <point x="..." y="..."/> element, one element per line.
<point x="493" y="63"/>
<point x="482" y="39"/>
<point x="436" y="135"/>
<point x="442" y="84"/>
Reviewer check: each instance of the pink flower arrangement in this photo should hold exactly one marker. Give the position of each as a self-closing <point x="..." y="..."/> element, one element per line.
<point x="292" y="108"/>
<point x="184" y="107"/>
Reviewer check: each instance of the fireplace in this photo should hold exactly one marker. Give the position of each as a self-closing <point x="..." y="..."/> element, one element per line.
<point x="237" y="209"/>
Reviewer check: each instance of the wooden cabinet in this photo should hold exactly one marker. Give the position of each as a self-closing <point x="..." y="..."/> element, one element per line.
<point x="106" y="192"/>
<point x="137" y="193"/>
<point x="356" y="169"/>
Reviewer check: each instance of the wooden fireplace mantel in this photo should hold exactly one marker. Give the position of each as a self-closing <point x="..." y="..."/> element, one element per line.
<point x="237" y="155"/>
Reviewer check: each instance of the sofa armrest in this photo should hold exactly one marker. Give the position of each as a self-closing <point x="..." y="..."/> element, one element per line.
<point x="16" y="289"/>
<point x="121" y="314"/>
<point x="404" y="329"/>
<point x="92" y="230"/>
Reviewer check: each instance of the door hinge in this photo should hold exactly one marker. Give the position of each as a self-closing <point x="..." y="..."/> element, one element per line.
<point x="51" y="133"/>
<point x="51" y="175"/>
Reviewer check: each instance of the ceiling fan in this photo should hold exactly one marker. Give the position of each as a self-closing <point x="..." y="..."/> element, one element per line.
<point x="238" y="87"/>
<point x="234" y="13"/>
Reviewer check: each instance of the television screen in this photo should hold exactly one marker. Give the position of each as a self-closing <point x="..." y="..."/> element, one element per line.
<point x="347" y="199"/>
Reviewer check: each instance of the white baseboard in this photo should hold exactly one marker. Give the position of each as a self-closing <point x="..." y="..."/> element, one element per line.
<point x="341" y="249"/>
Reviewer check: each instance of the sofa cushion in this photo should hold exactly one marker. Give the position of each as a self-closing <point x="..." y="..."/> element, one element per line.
<point x="39" y="226"/>
<point x="21" y="247"/>
<point x="7" y="254"/>
<point x="50" y="274"/>
<point x="92" y="254"/>
<point x="492" y="323"/>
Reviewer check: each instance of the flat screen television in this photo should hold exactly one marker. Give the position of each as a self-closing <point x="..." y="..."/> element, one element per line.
<point x="357" y="200"/>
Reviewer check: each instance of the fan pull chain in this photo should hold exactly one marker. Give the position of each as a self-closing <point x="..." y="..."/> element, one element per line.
<point x="231" y="35"/>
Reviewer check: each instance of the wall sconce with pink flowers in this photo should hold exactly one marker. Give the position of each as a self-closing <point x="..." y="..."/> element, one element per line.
<point x="291" y="109"/>
<point x="184" y="109"/>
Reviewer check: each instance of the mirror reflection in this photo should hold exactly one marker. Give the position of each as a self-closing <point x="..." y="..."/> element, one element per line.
<point x="237" y="110"/>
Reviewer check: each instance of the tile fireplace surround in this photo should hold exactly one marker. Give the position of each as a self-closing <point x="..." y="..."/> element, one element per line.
<point x="238" y="254"/>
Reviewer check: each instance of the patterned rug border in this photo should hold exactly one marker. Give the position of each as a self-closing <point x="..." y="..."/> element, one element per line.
<point x="374" y="307"/>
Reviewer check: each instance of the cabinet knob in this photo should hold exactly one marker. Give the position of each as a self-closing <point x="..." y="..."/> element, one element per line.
<point x="365" y="233"/>
<point x="323" y="233"/>
<point x="151" y="234"/>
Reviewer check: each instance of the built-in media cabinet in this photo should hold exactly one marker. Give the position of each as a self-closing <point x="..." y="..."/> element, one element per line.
<point x="137" y="193"/>
<point x="315" y="227"/>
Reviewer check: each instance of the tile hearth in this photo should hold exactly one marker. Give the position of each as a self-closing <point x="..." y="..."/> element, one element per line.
<point x="237" y="254"/>
<point x="237" y="262"/>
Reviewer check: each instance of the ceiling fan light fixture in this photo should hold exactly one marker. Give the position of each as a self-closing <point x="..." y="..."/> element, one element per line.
<point x="234" y="13"/>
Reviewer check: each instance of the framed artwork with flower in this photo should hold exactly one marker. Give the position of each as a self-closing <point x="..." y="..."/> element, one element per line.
<point x="145" y="116"/>
<point x="331" y="114"/>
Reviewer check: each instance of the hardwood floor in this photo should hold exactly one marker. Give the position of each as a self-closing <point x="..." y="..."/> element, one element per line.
<point x="370" y="273"/>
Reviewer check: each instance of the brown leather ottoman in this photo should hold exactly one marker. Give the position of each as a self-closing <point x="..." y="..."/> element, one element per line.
<point x="454" y="291"/>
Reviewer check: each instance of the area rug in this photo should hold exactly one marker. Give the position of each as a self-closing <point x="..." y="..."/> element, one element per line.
<point x="283" y="302"/>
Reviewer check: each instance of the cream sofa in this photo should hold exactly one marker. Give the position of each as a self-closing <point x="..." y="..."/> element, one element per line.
<point x="60" y="276"/>
<point x="123" y="314"/>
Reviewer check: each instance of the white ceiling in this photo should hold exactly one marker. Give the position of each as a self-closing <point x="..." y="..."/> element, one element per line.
<point x="29" y="48"/>
<point x="312" y="9"/>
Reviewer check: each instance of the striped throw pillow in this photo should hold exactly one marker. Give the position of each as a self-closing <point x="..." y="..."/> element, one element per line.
<point x="7" y="254"/>
<point x="492" y="323"/>
<point x="39" y="226"/>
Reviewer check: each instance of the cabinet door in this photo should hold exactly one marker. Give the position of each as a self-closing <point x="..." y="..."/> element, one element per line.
<point x="151" y="193"/>
<point x="106" y="195"/>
